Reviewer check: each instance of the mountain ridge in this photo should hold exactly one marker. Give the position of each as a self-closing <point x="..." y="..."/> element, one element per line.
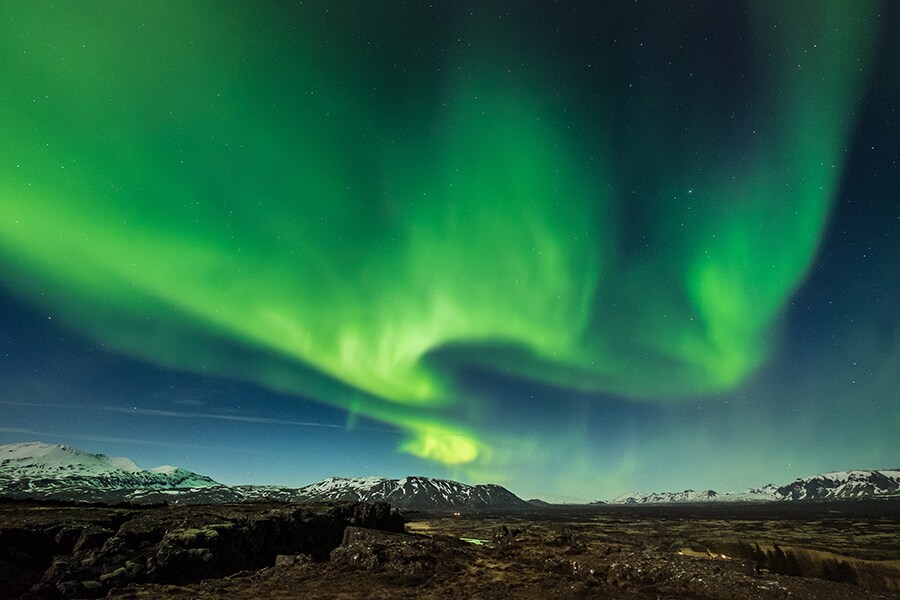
<point x="413" y="492"/>
<point x="834" y="485"/>
<point x="55" y="471"/>
<point x="34" y="469"/>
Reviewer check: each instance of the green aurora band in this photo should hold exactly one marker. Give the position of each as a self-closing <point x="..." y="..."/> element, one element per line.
<point x="322" y="211"/>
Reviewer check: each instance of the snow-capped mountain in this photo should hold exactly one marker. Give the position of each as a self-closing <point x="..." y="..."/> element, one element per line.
<point x="828" y="486"/>
<point x="844" y="484"/>
<point x="662" y="497"/>
<point x="419" y="493"/>
<point x="763" y="494"/>
<point x="410" y="493"/>
<point x="37" y="470"/>
<point x="61" y="471"/>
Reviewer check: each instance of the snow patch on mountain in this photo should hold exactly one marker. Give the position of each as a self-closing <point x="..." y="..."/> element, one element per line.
<point x="166" y="470"/>
<point x="125" y="464"/>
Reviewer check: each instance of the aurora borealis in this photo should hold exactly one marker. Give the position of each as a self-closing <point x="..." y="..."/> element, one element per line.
<point x="595" y="246"/>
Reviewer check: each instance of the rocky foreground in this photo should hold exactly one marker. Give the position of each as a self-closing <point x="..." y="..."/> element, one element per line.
<point x="355" y="550"/>
<point x="87" y="552"/>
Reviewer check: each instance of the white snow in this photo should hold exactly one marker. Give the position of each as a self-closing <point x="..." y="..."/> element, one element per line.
<point x="421" y="491"/>
<point x="36" y="465"/>
<point x="838" y="484"/>
<point x="126" y="464"/>
<point x="38" y="458"/>
<point x="166" y="470"/>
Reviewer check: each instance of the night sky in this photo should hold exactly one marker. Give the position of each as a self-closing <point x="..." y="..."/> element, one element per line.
<point x="575" y="248"/>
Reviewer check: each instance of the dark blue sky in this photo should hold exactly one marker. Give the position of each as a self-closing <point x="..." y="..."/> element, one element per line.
<point x="812" y="384"/>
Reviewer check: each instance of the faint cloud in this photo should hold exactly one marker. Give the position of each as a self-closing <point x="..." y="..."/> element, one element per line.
<point x="192" y="415"/>
<point x="103" y="438"/>
<point x="197" y="415"/>
<point x="194" y="402"/>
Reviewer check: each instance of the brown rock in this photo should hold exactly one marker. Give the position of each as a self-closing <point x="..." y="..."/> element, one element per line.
<point x="292" y="560"/>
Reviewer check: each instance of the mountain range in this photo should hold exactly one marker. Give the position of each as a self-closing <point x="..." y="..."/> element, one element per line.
<point x="46" y="471"/>
<point x="839" y="485"/>
<point x="37" y="470"/>
<point x="408" y="493"/>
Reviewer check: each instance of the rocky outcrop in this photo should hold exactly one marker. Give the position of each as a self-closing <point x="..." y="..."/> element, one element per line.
<point x="43" y="557"/>
<point x="411" y="557"/>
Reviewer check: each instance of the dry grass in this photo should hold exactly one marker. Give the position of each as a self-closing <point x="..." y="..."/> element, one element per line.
<point x="863" y="549"/>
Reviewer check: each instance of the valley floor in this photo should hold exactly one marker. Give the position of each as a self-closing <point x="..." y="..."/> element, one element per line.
<point x="823" y="552"/>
